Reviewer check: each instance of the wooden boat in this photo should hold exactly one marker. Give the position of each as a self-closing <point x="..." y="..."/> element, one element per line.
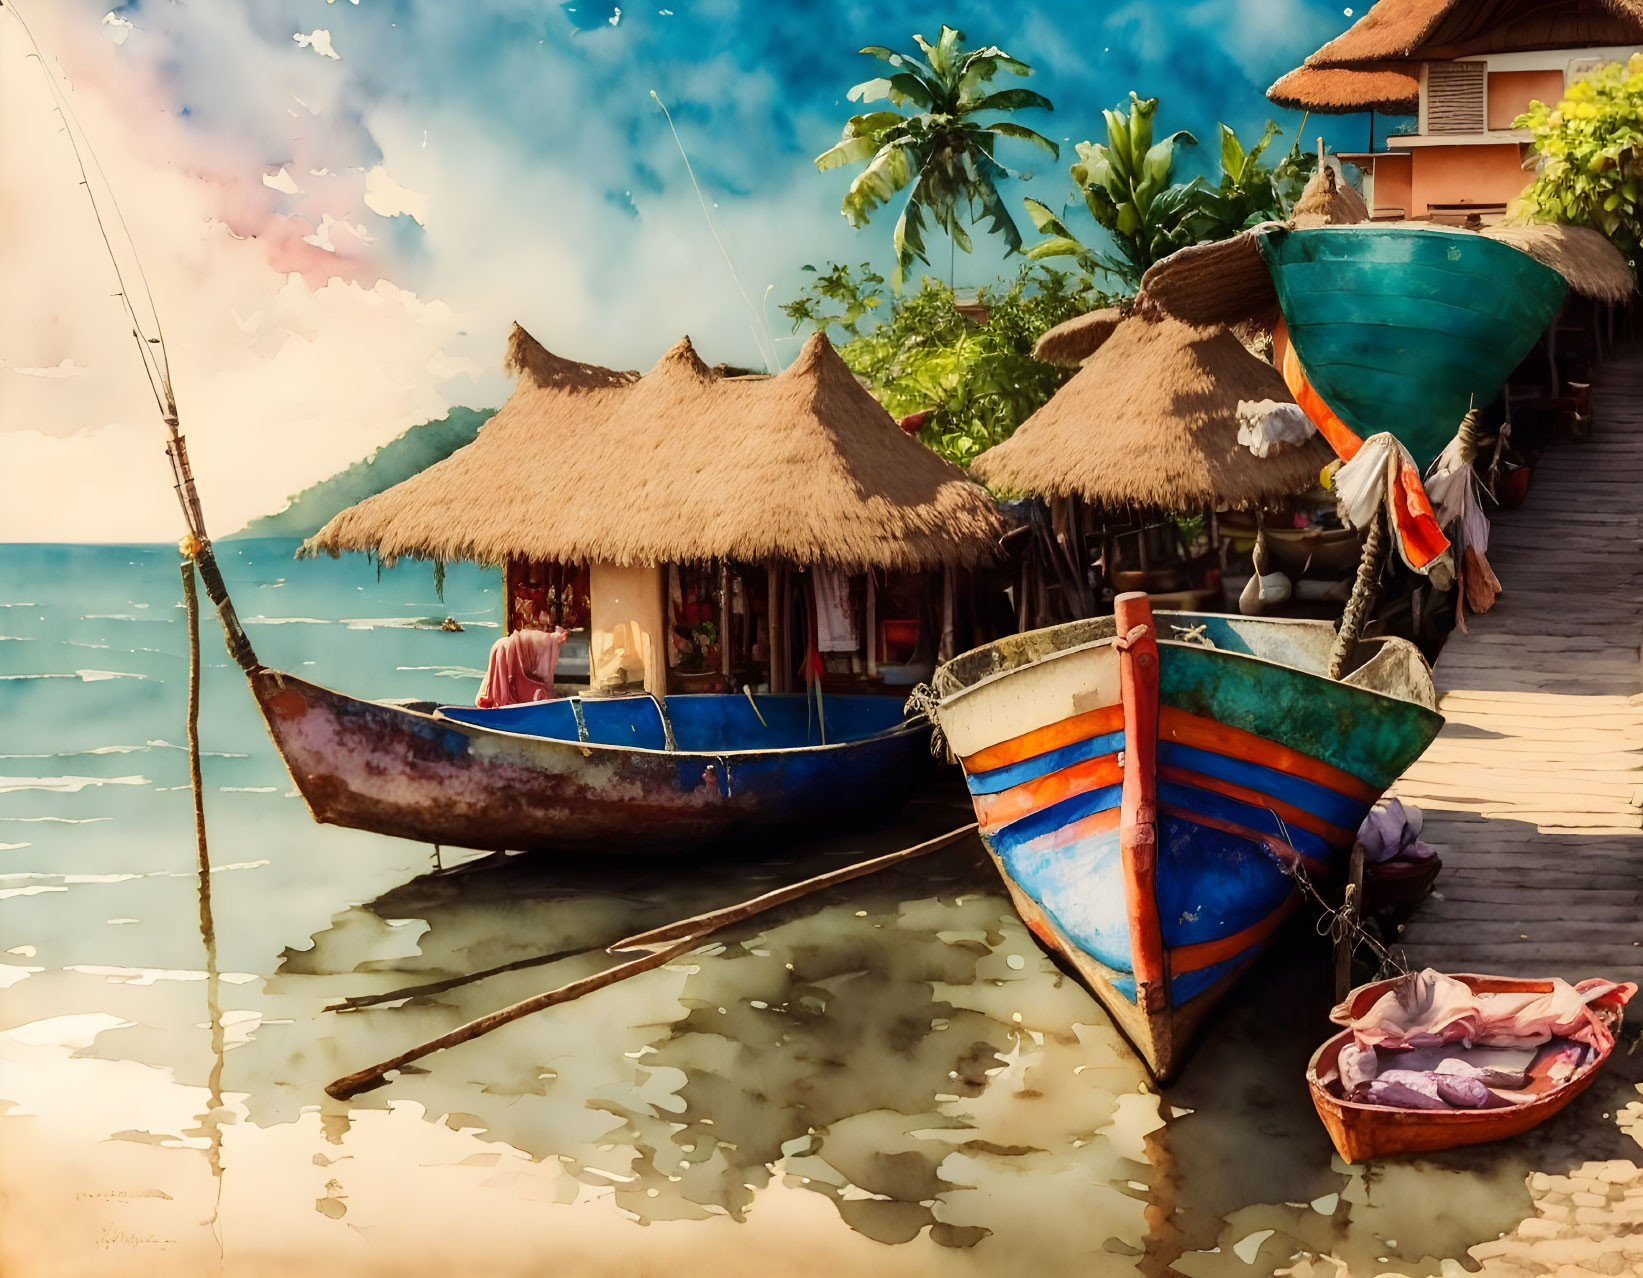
<point x="1362" y="1132"/>
<point x="1148" y="797"/>
<point x="1312" y="552"/>
<point x="1399" y="328"/>
<point x="607" y="776"/>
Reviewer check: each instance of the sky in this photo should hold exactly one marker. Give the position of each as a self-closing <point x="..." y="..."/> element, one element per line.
<point x="342" y="205"/>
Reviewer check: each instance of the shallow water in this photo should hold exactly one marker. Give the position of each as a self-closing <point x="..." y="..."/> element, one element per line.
<point x="889" y="1078"/>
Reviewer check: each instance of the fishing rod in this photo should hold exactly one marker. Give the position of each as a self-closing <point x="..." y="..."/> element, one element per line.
<point x="150" y="339"/>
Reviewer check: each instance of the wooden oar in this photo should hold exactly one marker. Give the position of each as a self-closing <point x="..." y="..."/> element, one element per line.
<point x="354" y="1083"/>
<point x="701" y="925"/>
<point x="698" y="929"/>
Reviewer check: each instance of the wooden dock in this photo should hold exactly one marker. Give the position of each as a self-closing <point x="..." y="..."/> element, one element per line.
<point x="1532" y="792"/>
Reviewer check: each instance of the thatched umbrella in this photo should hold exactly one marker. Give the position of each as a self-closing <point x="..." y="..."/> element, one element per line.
<point x="1374" y="86"/>
<point x="683" y="464"/>
<point x="1151" y="422"/>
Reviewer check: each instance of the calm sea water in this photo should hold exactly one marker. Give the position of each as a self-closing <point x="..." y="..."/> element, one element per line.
<point x="888" y="1079"/>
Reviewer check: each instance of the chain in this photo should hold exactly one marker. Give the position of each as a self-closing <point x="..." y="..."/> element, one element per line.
<point x="1336" y="923"/>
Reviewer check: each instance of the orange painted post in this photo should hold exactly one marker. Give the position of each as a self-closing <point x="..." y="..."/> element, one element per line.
<point x="1137" y="645"/>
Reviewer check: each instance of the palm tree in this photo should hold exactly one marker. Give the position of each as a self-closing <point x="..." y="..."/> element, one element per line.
<point x="940" y="149"/>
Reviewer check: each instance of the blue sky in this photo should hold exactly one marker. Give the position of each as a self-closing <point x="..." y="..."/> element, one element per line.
<point x="407" y="177"/>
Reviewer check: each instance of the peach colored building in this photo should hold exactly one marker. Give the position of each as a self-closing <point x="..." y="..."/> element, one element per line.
<point x="1465" y="70"/>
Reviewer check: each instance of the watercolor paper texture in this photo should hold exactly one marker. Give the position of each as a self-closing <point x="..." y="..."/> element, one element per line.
<point x="340" y="208"/>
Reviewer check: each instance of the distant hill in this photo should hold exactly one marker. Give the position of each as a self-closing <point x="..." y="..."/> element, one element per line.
<point x="399" y="459"/>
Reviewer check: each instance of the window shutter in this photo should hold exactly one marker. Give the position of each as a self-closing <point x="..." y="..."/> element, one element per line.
<point x="1455" y="97"/>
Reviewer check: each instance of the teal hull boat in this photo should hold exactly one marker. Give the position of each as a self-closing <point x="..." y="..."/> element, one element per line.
<point x="1400" y="328"/>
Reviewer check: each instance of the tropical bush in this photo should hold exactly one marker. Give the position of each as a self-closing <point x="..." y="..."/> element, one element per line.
<point x="975" y="383"/>
<point x="940" y="147"/>
<point x="1591" y="156"/>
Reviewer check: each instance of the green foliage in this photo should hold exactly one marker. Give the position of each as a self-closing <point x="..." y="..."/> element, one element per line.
<point x="977" y="383"/>
<point x="1126" y="183"/>
<point x="938" y="148"/>
<point x="1591" y="156"/>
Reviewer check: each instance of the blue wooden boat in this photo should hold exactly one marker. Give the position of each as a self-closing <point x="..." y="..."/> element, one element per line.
<point x="1398" y="328"/>
<point x="1149" y="797"/>
<point x="602" y="776"/>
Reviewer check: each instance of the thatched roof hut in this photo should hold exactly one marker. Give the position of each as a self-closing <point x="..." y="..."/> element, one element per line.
<point x="1376" y="86"/>
<point x="1442" y="29"/>
<point x="684" y="464"/>
<point x="1151" y="422"/>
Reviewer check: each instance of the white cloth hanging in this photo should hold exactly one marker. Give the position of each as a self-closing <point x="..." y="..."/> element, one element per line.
<point x="835" y="620"/>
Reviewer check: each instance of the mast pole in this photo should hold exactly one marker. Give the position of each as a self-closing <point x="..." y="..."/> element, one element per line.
<point x="151" y="348"/>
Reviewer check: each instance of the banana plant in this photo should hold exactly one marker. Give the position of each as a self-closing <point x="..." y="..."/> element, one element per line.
<point x="1126" y="185"/>
<point x="939" y="148"/>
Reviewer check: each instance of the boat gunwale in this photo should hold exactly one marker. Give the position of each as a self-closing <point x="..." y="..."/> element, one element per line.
<point x="586" y="748"/>
<point x="1382" y="642"/>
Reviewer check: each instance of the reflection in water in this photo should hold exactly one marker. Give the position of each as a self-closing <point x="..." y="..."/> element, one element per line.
<point x="890" y="1078"/>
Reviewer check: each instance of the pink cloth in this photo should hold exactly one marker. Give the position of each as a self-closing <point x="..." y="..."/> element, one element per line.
<point x="1430" y="1042"/>
<point x="1427" y="1008"/>
<point x="521" y="668"/>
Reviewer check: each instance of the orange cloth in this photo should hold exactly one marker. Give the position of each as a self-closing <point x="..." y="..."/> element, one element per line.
<point x="521" y="668"/>
<point x="1420" y="537"/>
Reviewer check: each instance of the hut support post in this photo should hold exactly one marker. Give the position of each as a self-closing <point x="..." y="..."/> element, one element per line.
<point x="726" y="641"/>
<point x="777" y="632"/>
<point x="1363" y="594"/>
<point x="872" y="626"/>
<point x="945" y="652"/>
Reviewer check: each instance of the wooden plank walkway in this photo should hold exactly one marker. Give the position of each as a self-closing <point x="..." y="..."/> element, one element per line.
<point x="1532" y="792"/>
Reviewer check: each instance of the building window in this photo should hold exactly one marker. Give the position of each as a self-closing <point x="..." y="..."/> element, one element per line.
<point x="1455" y="98"/>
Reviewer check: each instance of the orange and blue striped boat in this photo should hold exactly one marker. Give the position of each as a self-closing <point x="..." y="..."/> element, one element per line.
<point x="1148" y="789"/>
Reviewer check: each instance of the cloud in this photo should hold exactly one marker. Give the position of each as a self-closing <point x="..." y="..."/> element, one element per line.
<point x="465" y="166"/>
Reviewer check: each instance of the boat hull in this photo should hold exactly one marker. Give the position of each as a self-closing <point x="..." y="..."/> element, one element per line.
<point x="413" y="775"/>
<point x="1361" y="1132"/>
<point x="1259" y="770"/>
<point x="1400" y="329"/>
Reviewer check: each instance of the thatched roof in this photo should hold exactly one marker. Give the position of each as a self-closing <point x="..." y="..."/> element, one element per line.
<point x="681" y="465"/>
<point x="1151" y="422"/>
<point x="1378" y="86"/>
<point x="1417" y="29"/>
<point x="1591" y="263"/>
<point x="1074" y="341"/>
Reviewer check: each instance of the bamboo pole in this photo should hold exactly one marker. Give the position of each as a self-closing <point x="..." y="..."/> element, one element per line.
<point x="352" y="1084"/>
<point x="698" y="929"/>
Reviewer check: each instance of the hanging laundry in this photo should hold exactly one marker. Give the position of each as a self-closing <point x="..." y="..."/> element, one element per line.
<point x="835" y="618"/>
<point x="521" y="668"/>
<point x="1266" y="426"/>
<point x="1382" y="472"/>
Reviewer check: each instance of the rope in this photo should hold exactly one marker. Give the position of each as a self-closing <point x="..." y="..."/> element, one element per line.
<point x="924" y="701"/>
<point x="1363" y="593"/>
<point x="1339" y="925"/>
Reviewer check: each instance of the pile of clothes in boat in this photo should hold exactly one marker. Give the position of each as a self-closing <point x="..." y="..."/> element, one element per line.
<point x="1432" y="1042"/>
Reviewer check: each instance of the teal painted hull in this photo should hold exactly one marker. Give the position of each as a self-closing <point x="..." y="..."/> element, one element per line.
<point x="1401" y="328"/>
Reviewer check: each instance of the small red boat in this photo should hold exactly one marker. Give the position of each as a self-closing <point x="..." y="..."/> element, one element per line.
<point x="1362" y="1131"/>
